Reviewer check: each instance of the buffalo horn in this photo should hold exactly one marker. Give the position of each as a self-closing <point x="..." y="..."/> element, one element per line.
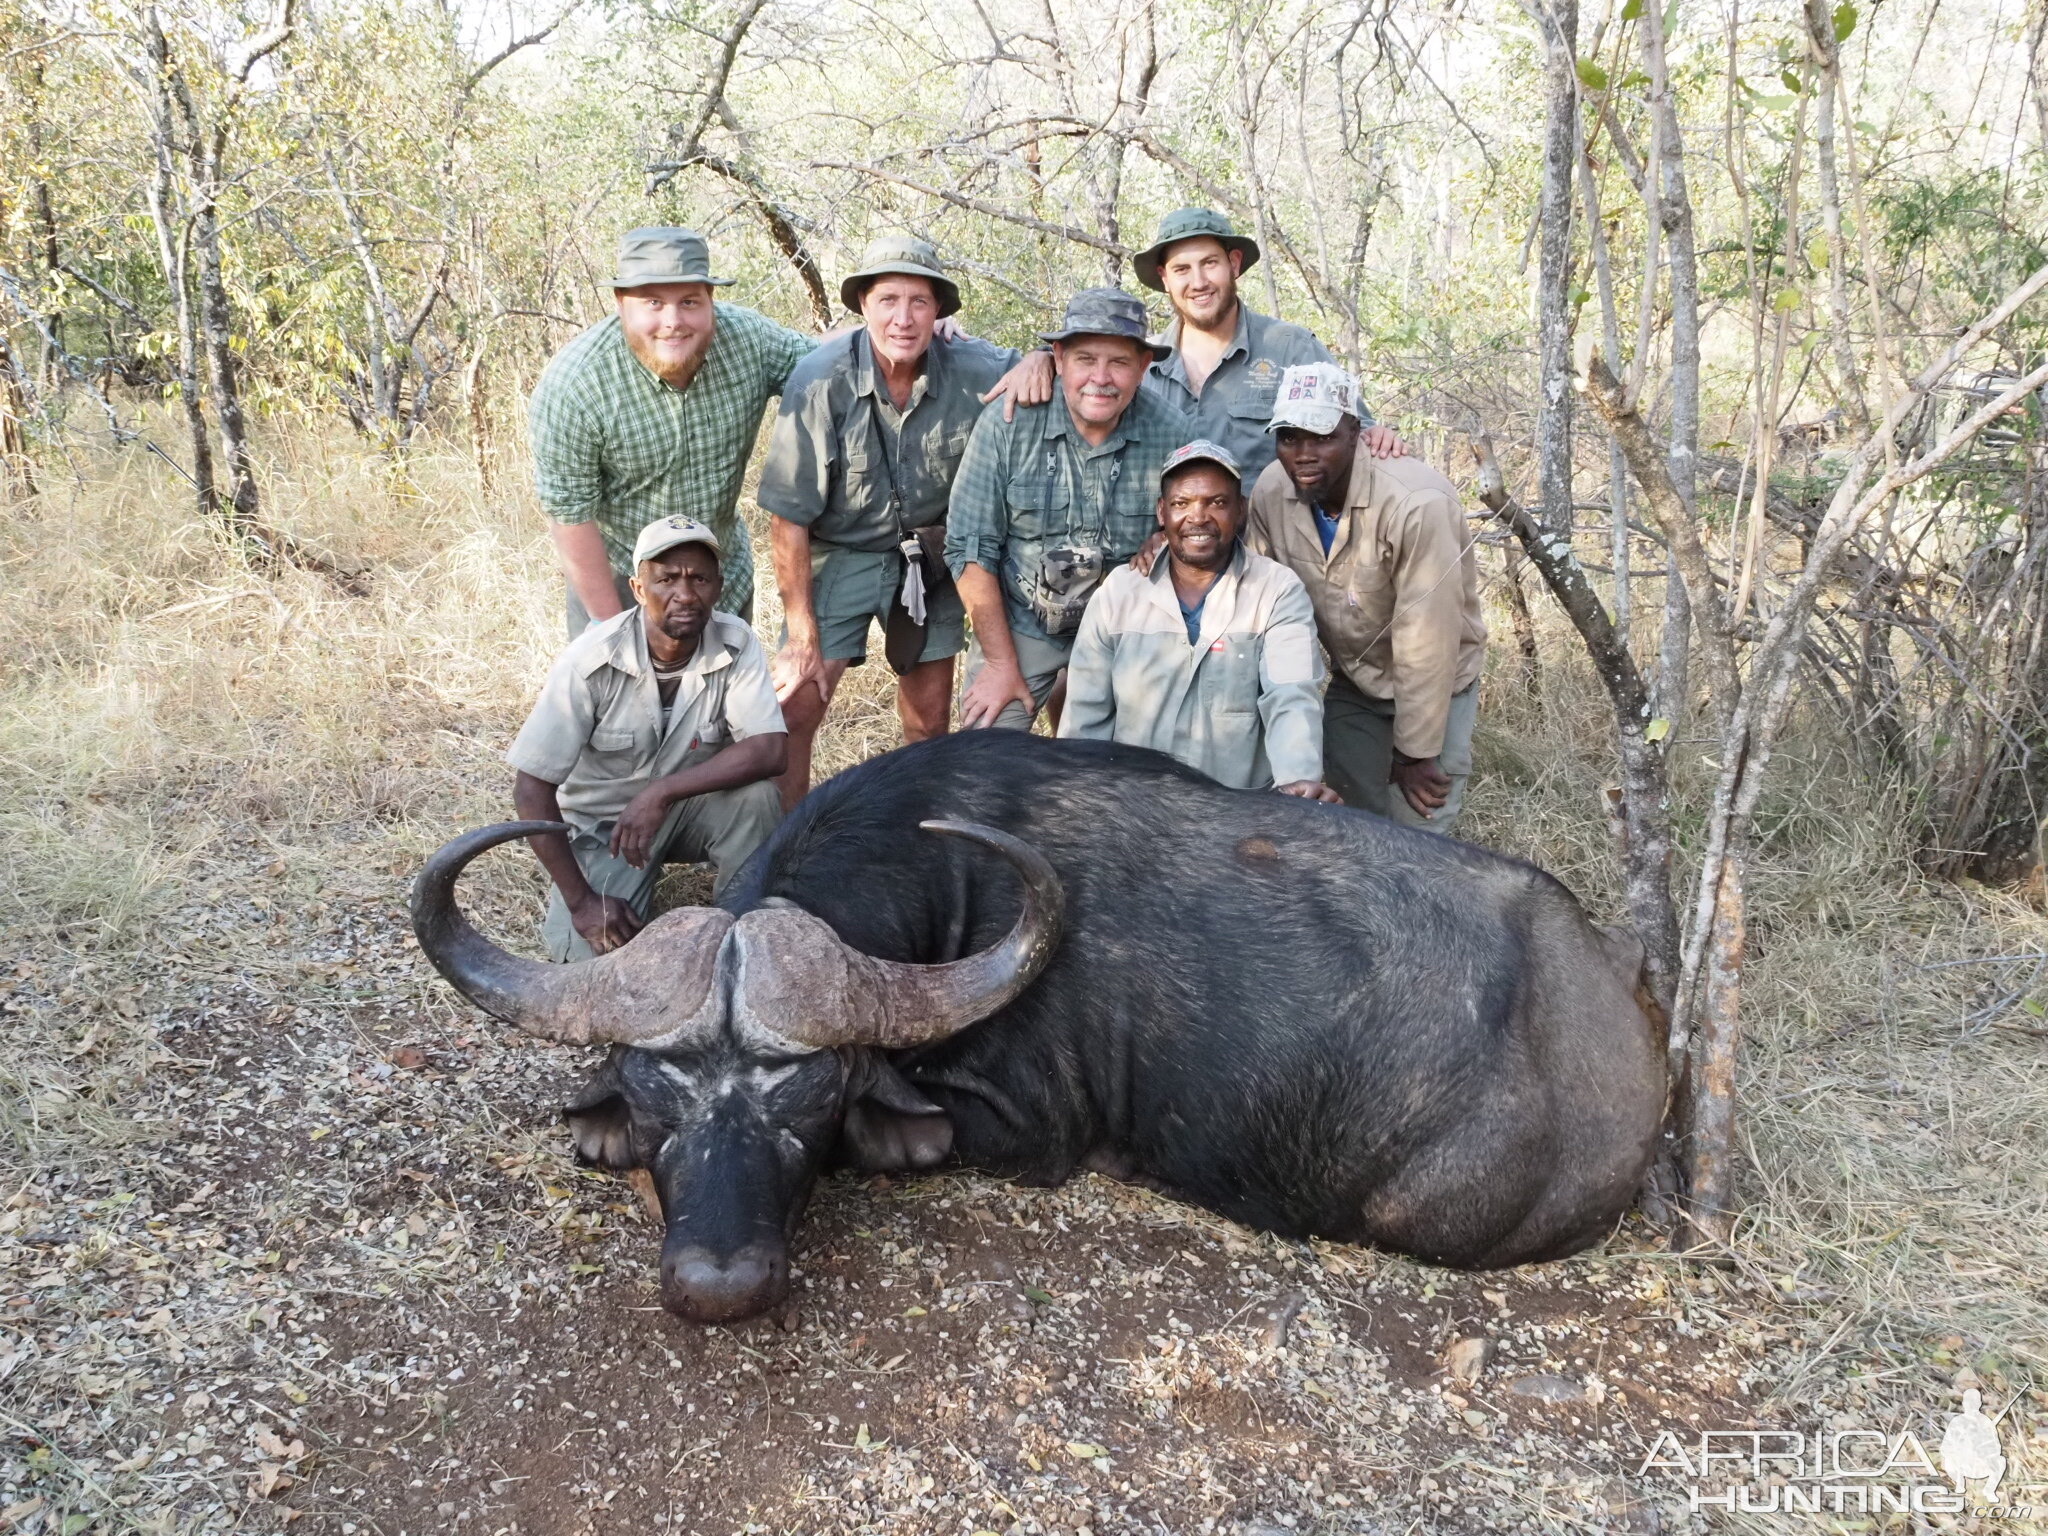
<point x="656" y="990"/>
<point x="787" y="962"/>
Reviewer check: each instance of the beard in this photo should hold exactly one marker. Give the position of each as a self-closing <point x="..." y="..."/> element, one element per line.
<point x="675" y="372"/>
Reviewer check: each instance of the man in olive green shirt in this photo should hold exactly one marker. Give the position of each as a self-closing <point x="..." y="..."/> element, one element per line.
<point x="1048" y="503"/>
<point x="862" y="457"/>
<point x="651" y="414"/>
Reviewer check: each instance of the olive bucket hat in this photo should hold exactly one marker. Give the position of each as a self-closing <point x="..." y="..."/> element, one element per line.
<point x="1191" y="224"/>
<point x="900" y="256"/>
<point x="1107" y="312"/>
<point x="664" y="254"/>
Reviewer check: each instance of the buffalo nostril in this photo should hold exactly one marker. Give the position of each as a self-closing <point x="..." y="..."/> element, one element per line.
<point x="708" y="1287"/>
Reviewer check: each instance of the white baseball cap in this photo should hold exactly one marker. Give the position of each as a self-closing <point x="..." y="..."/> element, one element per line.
<point x="664" y="534"/>
<point x="1314" y="397"/>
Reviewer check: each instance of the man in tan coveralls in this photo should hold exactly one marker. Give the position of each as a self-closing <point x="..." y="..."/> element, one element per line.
<point x="1382" y="548"/>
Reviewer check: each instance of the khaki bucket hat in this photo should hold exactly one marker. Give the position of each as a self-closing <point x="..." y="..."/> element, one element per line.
<point x="900" y="256"/>
<point x="1191" y="224"/>
<point x="663" y="253"/>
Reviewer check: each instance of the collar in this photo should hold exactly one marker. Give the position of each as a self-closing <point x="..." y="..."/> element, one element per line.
<point x="867" y="378"/>
<point x="622" y="643"/>
<point x="1160" y="584"/>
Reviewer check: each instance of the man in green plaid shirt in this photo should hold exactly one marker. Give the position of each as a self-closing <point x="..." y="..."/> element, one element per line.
<point x="652" y="414"/>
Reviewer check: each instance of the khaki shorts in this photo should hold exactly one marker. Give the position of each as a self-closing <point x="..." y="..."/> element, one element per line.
<point x="853" y="588"/>
<point x="1358" y="754"/>
<point x="1041" y="662"/>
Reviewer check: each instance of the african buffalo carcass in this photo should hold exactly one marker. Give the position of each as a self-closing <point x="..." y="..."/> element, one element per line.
<point x="1307" y="1019"/>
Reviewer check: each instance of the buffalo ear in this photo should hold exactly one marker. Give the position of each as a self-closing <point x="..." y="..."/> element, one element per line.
<point x="599" y="1120"/>
<point x="890" y="1127"/>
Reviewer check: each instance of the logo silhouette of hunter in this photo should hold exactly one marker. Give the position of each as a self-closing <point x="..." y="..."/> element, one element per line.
<point x="1970" y="1448"/>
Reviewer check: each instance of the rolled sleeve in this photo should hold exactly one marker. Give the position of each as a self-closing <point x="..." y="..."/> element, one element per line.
<point x="796" y="480"/>
<point x="750" y="707"/>
<point x="568" y="455"/>
<point x="1090" y="713"/>
<point x="559" y="728"/>
<point x="1427" y="625"/>
<point x="977" y="522"/>
<point x="1291" y="690"/>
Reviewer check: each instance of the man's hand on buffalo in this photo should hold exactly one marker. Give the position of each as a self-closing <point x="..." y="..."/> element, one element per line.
<point x="994" y="686"/>
<point x="1422" y="783"/>
<point x="640" y="822"/>
<point x="1310" y="789"/>
<point x="605" y="922"/>
<point x="1029" y="383"/>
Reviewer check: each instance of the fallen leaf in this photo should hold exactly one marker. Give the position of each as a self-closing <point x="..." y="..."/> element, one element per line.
<point x="409" y="1057"/>
<point x="1081" y="1450"/>
<point x="893" y="1361"/>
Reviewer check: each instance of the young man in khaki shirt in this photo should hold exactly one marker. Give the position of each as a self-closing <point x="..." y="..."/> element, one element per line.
<point x="1382" y="547"/>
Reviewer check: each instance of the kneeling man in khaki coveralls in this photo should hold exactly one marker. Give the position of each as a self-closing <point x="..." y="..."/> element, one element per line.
<point x="1382" y="548"/>
<point x="1210" y="656"/>
<point x="657" y="737"/>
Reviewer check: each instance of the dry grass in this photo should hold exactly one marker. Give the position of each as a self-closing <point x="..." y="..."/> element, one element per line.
<point x="206" y="772"/>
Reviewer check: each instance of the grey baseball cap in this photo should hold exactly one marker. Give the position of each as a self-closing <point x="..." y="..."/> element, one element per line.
<point x="1191" y="224"/>
<point x="665" y="534"/>
<point x="1107" y="312"/>
<point x="900" y="256"/>
<point x="1200" y="451"/>
<point x="664" y="254"/>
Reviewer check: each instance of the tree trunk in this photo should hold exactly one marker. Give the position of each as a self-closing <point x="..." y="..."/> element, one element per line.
<point x="13" y="416"/>
<point x="244" y="507"/>
<point x="1558" y="20"/>
<point x="1673" y="205"/>
<point x="1827" y="56"/>
<point x="173" y="255"/>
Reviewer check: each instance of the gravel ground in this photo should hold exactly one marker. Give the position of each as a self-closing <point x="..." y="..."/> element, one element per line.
<point x="292" y="1238"/>
<point x="347" y="1277"/>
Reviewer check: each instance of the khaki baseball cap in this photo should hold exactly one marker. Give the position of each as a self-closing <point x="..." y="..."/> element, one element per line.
<point x="658" y="538"/>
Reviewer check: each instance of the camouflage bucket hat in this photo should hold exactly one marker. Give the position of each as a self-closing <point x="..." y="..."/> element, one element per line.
<point x="1191" y="224"/>
<point x="904" y="256"/>
<point x="1107" y="312"/>
<point x="664" y="254"/>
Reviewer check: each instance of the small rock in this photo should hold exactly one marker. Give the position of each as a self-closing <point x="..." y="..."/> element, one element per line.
<point x="1466" y="1360"/>
<point x="1281" y="1315"/>
<point x="1547" y="1388"/>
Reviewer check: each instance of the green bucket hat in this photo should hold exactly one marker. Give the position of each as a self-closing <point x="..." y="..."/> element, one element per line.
<point x="664" y="254"/>
<point x="1107" y="312"/>
<point x="900" y="256"/>
<point x="1190" y="224"/>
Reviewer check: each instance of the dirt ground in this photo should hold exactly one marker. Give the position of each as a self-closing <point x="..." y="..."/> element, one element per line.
<point x="292" y="1239"/>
